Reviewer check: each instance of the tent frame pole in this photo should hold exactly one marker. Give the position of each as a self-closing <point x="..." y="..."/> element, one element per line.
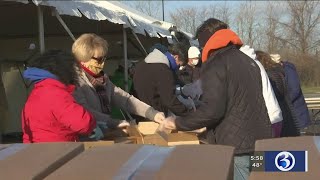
<point x="41" y="29"/>
<point x="137" y="38"/>
<point x="125" y="58"/>
<point x="63" y="24"/>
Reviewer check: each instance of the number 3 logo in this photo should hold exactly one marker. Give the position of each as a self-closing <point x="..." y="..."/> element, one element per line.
<point x="285" y="161"/>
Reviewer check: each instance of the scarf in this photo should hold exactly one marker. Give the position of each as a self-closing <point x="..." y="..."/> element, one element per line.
<point x="99" y="83"/>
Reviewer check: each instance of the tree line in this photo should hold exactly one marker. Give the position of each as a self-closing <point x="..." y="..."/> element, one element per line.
<point x="290" y="28"/>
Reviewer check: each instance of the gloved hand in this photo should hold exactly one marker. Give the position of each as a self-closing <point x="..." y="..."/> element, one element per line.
<point x="197" y="103"/>
<point x="98" y="133"/>
<point x="178" y="90"/>
<point x="159" y="117"/>
<point x="192" y="90"/>
<point x="169" y="123"/>
<point x="187" y="102"/>
<point x="123" y="124"/>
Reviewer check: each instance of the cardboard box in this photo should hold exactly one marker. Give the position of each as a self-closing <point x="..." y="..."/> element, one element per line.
<point x="145" y="162"/>
<point x="148" y="128"/>
<point x="145" y="133"/>
<point x="303" y="143"/>
<point x="35" y="161"/>
<point x="3" y="146"/>
<point x="94" y="144"/>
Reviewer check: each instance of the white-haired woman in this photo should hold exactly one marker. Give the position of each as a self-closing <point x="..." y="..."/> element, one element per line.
<point x="97" y="93"/>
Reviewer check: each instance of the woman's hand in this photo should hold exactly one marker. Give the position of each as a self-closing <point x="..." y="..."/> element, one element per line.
<point x="159" y="117"/>
<point x="169" y="123"/>
<point x="123" y="124"/>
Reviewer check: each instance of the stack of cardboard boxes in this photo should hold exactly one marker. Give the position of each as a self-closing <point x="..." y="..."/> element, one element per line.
<point x="71" y="161"/>
<point x="106" y="160"/>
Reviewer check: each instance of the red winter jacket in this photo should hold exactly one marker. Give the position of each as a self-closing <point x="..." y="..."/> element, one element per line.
<point x="52" y="115"/>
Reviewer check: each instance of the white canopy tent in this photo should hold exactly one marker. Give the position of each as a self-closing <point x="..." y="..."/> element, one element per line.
<point x="55" y="24"/>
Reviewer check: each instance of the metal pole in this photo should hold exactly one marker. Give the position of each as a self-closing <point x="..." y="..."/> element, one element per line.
<point x="125" y="58"/>
<point x="137" y="38"/>
<point x="41" y="30"/>
<point x="63" y="24"/>
<point x="162" y="10"/>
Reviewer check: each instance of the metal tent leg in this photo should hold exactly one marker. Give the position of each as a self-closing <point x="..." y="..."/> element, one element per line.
<point x="137" y="38"/>
<point x="125" y="58"/>
<point x="41" y="29"/>
<point x="63" y="24"/>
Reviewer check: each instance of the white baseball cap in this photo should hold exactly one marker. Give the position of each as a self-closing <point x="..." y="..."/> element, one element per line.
<point x="193" y="52"/>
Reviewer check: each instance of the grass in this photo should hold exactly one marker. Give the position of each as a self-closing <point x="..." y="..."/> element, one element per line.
<point x="310" y="90"/>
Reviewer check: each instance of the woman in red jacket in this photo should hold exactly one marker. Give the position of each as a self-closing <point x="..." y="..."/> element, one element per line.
<point x="51" y="113"/>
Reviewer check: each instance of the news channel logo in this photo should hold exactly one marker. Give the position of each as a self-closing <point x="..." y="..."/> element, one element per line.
<point x="286" y="161"/>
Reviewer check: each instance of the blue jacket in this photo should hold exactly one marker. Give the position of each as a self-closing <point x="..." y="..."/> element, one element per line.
<point x="296" y="96"/>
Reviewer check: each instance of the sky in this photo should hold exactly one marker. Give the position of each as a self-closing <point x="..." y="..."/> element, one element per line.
<point x="170" y="6"/>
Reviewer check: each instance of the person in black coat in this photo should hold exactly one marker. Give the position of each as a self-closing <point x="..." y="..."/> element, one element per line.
<point x="155" y="81"/>
<point x="279" y="84"/>
<point x="233" y="108"/>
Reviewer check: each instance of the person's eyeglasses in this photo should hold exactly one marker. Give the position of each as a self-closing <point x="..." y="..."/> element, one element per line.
<point x="100" y="59"/>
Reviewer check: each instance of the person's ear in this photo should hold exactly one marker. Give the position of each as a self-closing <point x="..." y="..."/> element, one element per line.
<point x="176" y="57"/>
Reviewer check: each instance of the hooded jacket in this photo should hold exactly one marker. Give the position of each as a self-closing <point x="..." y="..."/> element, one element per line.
<point x="233" y="109"/>
<point x="155" y="83"/>
<point x="51" y="113"/>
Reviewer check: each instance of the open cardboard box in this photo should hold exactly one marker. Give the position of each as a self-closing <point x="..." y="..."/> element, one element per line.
<point x="146" y="133"/>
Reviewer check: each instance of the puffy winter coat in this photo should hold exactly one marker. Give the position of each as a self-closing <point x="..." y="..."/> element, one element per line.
<point x="296" y="96"/>
<point x="277" y="79"/>
<point x="52" y="115"/>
